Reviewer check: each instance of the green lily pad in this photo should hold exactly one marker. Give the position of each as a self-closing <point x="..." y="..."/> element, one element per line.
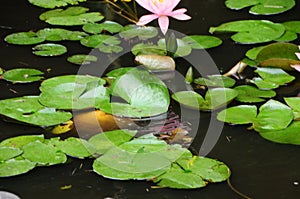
<point x="76" y="147"/>
<point x="106" y="48"/>
<point x="59" y="34"/>
<point x="43" y="154"/>
<point x="273" y="115"/>
<point x="54" y="3"/>
<point x="142" y="32"/>
<point x="289" y="135"/>
<point x="274" y="75"/>
<point x="105" y="43"/>
<point x="253" y="52"/>
<point x="71" y="16"/>
<point x="215" y="81"/>
<point x="15" y="167"/>
<point x="148" y="49"/>
<point x="261" y="7"/>
<point x="28" y="109"/>
<point x="109" y="26"/>
<point x="49" y="49"/>
<point x="251" y="94"/>
<point x="24" y="38"/>
<point x="118" y="72"/>
<point x="22" y="75"/>
<point x="7" y="153"/>
<point x="288" y="36"/>
<point x="202" y="41"/>
<point x="263" y="84"/>
<point x="214" y="98"/>
<point x="243" y="114"/>
<point x="73" y="92"/>
<point x="20" y="141"/>
<point x="183" y="48"/>
<point x="105" y="141"/>
<point x="251" y="31"/>
<point x="294" y="103"/>
<point x="280" y="55"/>
<point x="81" y="59"/>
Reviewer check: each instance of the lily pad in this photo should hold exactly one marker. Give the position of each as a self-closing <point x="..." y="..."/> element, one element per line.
<point x="7" y="153"/>
<point x="49" y="49"/>
<point x="274" y="75"/>
<point x="288" y="36"/>
<point x="20" y="141"/>
<point x="81" y="59"/>
<point x="263" y="84"/>
<point x="202" y="41"/>
<point x="189" y="98"/>
<point x="105" y="43"/>
<point x="289" y="135"/>
<point x="273" y="115"/>
<point x="24" y="38"/>
<point x="243" y="114"/>
<point x="148" y="49"/>
<point x="253" y="52"/>
<point x="118" y="72"/>
<point x="262" y="7"/>
<point x="54" y="3"/>
<point x="251" y="31"/>
<point x="215" y="81"/>
<point x="142" y="32"/>
<point x="294" y="103"/>
<point x="15" y="167"/>
<point x="73" y="92"/>
<point x="43" y="154"/>
<point x="105" y="141"/>
<point x="59" y="34"/>
<point x="183" y="48"/>
<point x="109" y="26"/>
<point x="28" y="109"/>
<point x="72" y="16"/>
<point x="23" y="75"/>
<point x="251" y="94"/>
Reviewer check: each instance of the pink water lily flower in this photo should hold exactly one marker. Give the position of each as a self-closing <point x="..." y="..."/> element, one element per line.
<point x="161" y="9"/>
<point x="297" y="66"/>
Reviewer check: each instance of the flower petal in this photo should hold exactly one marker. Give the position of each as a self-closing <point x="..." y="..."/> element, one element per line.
<point x="146" y="19"/>
<point x="146" y="4"/>
<point x="296" y="67"/>
<point x="163" y="22"/>
<point x="179" y="14"/>
<point x="171" y="4"/>
<point x="298" y="55"/>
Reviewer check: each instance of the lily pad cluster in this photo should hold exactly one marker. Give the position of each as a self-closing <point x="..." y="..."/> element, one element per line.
<point x="118" y="156"/>
<point x="274" y="120"/>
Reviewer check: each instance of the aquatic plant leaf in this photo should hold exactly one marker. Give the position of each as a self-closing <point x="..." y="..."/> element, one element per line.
<point x="215" y="81"/>
<point x="243" y="114"/>
<point x="24" y="38"/>
<point x="94" y="41"/>
<point x="54" y="3"/>
<point x="189" y="98"/>
<point x="294" y="103"/>
<point x="76" y="147"/>
<point x="49" y="49"/>
<point x="15" y="167"/>
<point x="142" y="32"/>
<point x="263" y="84"/>
<point x="28" y="109"/>
<point x="292" y="26"/>
<point x="118" y="72"/>
<point x="218" y="97"/>
<point x="148" y="49"/>
<point x="253" y="52"/>
<point x="274" y="75"/>
<point x="104" y="141"/>
<point x="261" y="7"/>
<point x="22" y="75"/>
<point x="73" y="92"/>
<point x="202" y="41"/>
<point x="183" y="48"/>
<point x="280" y="55"/>
<point x="251" y="94"/>
<point x="289" y="135"/>
<point x="273" y="115"/>
<point x="251" y="31"/>
<point x="71" y="16"/>
<point x="288" y="36"/>
<point x="106" y="48"/>
<point x="43" y="154"/>
<point x="109" y="26"/>
<point x="7" y="153"/>
<point x="20" y="141"/>
<point x="178" y="178"/>
<point x="81" y="59"/>
<point x="59" y="34"/>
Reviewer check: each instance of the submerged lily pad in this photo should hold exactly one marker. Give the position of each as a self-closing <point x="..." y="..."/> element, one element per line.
<point x="73" y="92"/>
<point x="24" y="38"/>
<point x="251" y="31"/>
<point x="28" y="109"/>
<point x="23" y="75"/>
<point x="49" y="49"/>
<point x="54" y="3"/>
<point x="215" y="81"/>
<point x="202" y="41"/>
<point x="261" y="7"/>
<point x="81" y="59"/>
<point x="109" y="26"/>
<point x="251" y="94"/>
<point x="15" y="167"/>
<point x="142" y="32"/>
<point x="243" y="114"/>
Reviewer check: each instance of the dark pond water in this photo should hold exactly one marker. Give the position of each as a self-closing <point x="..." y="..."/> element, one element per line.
<point x="260" y="169"/>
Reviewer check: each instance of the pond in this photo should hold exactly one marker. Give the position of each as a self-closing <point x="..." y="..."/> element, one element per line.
<point x="259" y="168"/>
